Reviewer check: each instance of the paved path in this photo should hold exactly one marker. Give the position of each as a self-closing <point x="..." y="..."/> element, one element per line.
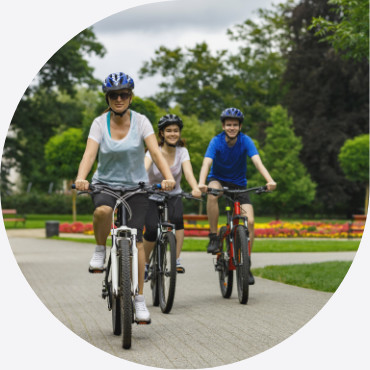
<point x="195" y="334"/>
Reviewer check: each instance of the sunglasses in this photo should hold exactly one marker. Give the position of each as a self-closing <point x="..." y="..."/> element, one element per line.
<point x="123" y="96"/>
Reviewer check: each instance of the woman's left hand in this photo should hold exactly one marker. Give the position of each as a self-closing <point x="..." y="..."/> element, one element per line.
<point x="168" y="185"/>
<point x="196" y="193"/>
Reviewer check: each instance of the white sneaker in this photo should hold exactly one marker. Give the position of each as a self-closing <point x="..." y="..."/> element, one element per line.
<point x="98" y="258"/>
<point x="142" y="313"/>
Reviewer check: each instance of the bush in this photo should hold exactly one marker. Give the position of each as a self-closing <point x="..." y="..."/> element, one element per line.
<point x="46" y="203"/>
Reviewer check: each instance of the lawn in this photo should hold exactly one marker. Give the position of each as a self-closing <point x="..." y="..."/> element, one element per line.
<point x="324" y="276"/>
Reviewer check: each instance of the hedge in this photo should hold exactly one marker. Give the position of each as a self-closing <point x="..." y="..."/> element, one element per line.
<point x="47" y="203"/>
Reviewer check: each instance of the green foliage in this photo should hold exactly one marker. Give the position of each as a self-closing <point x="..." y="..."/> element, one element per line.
<point x="281" y="158"/>
<point x="42" y="203"/>
<point x="148" y="108"/>
<point x="349" y="35"/>
<point x="63" y="154"/>
<point x="354" y="158"/>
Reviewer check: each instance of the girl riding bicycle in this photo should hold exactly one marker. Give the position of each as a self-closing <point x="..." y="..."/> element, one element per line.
<point x="177" y="157"/>
<point x="118" y="135"/>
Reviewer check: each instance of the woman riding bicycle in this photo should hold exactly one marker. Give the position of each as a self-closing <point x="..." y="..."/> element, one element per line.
<point x="177" y="157"/>
<point x="118" y="135"/>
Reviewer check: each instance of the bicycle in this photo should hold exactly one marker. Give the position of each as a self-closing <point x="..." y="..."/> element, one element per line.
<point x="162" y="263"/>
<point x="234" y="252"/>
<point x="120" y="284"/>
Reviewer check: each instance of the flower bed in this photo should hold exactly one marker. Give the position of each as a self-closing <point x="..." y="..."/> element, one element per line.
<point x="273" y="229"/>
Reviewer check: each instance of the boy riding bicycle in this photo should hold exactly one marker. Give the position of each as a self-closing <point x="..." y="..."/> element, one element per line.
<point x="226" y="162"/>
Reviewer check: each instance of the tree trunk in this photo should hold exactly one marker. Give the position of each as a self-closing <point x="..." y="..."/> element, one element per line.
<point x="74" y="212"/>
<point x="367" y="198"/>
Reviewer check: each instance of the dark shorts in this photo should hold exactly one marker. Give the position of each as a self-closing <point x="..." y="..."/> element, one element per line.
<point x="138" y="203"/>
<point x="243" y="198"/>
<point x="175" y="216"/>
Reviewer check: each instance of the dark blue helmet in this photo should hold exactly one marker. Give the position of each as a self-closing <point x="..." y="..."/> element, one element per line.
<point x="232" y="113"/>
<point x="118" y="81"/>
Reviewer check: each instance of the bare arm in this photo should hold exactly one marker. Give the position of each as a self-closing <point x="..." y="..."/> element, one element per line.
<point x="147" y="162"/>
<point x="271" y="184"/>
<point x="190" y="178"/>
<point x="207" y="163"/>
<point x="86" y="164"/>
<point x="157" y="157"/>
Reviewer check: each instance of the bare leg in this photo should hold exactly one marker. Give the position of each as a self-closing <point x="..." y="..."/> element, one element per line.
<point x="212" y="208"/>
<point x="102" y="224"/>
<point x="141" y="267"/>
<point x="179" y="242"/>
<point x="247" y="210"/>
<point x="148" y="247"/>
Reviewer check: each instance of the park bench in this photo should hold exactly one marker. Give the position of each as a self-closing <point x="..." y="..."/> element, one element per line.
<point x="357" y="224"/>
<point x="191" y="228"/>
<point x="16" y="218"/>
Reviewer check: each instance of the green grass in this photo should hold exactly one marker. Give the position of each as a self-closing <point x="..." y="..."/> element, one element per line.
<point x="261" y="245"/>
<point x="324" y="276"/>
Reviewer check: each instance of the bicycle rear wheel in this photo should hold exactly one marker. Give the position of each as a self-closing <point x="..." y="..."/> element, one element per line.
<point x="225" y="275"/>
<point x="125" y="291"/>
<point x="242" y="263"/>
<point x="167" y="272"/>
<point x="153" y="271"/>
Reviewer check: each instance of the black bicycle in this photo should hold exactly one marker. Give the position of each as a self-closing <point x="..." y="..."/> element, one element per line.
<point x="162" y="265"/>
<point x="234" y="249"/>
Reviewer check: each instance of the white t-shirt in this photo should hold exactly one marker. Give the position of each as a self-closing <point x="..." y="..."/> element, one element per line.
<point x="121" y="162"/>
<point x="155" y="177"/>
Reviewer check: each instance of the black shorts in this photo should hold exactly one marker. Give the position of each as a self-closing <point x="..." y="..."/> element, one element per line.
<point x="175" y="216"/>
<point x="243" y="198"/>
<point x="138" y="203"/>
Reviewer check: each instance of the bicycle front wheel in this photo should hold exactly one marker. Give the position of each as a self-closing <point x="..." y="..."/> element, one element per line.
<point x="125" y="291"/>
<point x="167" y="272"/>
<point x="115" y="303"/>
<point x="153" y="272"/>
<point x="242" y="263"/>
<point x="225" y="275"/>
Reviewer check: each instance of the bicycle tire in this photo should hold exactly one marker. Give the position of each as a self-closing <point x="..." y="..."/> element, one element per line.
<point x="242" y="263"/>
<point x="153" y="269"/>
<point x="225" y="275"/>
<point x="167" y="272"/>
<point x="115" y="303"/>
<point x="125" y="291"/>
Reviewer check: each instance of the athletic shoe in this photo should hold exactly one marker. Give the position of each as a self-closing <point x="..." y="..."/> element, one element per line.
<point x="179" y="268"/>
<point x="141" y="311"/>
<point x="98" y="258"/>
<point x="250" y="278"/>
<point x="214" y="244"/>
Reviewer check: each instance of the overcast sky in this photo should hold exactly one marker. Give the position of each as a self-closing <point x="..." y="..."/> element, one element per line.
<point x="132" y="36"/>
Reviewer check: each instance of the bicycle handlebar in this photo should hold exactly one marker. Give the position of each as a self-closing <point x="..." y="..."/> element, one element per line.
<point x="225" y="190"/>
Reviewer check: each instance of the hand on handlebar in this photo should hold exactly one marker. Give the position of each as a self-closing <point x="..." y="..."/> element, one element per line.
<point x="203" y="188"/>
<point x="271" y="185"/>
<point x="168" y="185"/>
<point x="196" y="193"/>
<point x="82" y="185"/>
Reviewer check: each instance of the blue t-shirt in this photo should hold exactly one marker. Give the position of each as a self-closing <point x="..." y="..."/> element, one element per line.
<point x="230" y="163"/>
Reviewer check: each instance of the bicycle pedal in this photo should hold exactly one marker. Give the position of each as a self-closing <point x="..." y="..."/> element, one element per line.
<point x="143" y="322"/>
<point x="95" y="271"/>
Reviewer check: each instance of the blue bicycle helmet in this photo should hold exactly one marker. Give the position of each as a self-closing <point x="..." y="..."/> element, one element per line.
<point x="232" y="113"/>
<point x="118" y="81"/>
<point x="170" y="119"/>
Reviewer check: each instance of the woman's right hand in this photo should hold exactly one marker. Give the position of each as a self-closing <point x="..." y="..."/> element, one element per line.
<point x="82" y="185"/>
<point x="168" y="185"/>
<point x="203" y="188"/>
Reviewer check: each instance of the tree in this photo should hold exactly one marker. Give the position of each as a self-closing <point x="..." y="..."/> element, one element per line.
<point x="354" y="161"/>
<point x="328" y="100"/>
<point x="43" y="112"/>
<point x="281" y="157"/>
<point x="63" y="154"/>
<point x="349" y="35"/>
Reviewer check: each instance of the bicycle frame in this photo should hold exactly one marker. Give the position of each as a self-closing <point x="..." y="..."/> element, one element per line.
<point x="233" y="218"/>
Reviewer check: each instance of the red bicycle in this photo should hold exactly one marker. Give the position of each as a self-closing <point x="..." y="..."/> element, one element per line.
<point x="234" y="252"/>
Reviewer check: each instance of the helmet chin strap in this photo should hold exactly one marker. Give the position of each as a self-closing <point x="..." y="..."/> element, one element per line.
<point x="171" y="145"/>
<point x="230" y="138"/>
<point x="119" y="114"/>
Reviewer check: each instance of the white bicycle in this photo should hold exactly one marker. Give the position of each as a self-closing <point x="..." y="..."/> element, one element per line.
<point x="120" y="284"/>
